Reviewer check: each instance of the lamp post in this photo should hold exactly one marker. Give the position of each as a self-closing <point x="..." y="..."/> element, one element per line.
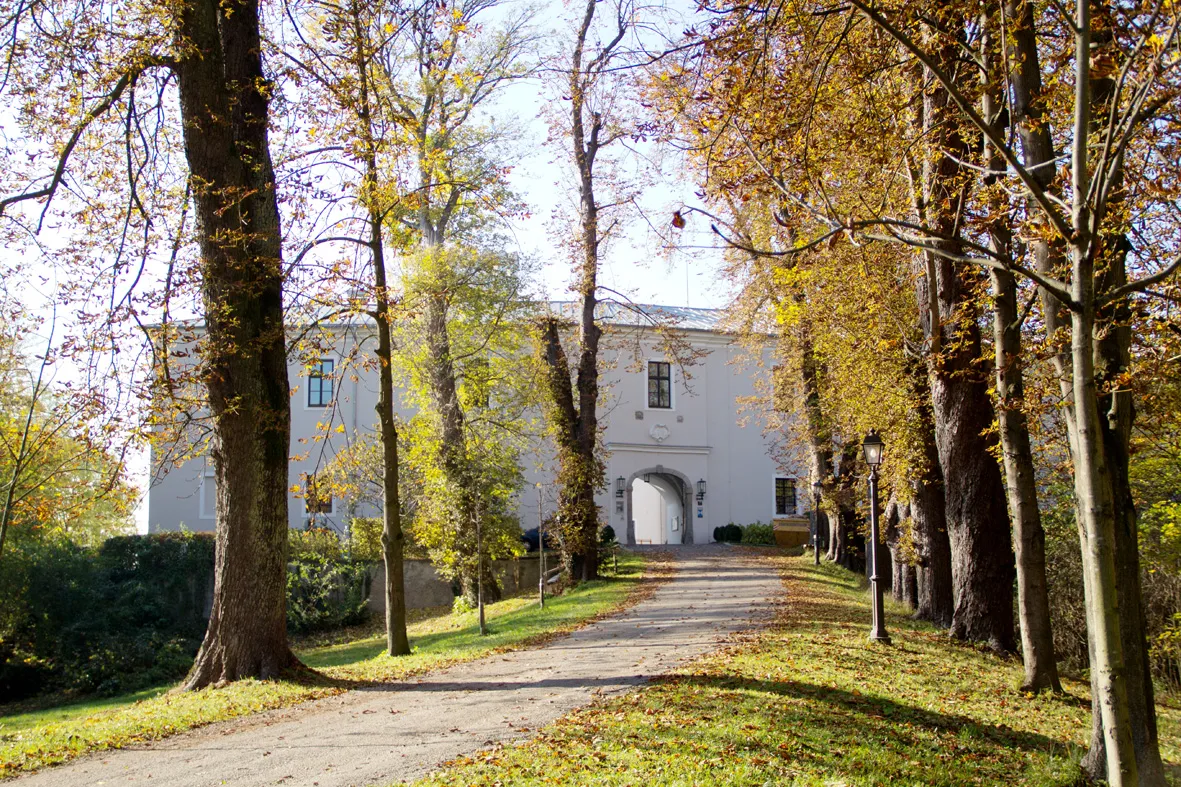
<point x="480" y="569"/>
<point x="817" y="488"/>
<point x="872" y="446"/>
<point x="541" y="547"/>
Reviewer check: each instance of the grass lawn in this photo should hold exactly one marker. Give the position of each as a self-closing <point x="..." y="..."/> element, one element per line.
<point x="36" y="738"/>
<point x="808" y="701"/>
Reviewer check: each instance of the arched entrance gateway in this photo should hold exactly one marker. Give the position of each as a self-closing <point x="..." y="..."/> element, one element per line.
<point x="659" y="509"/>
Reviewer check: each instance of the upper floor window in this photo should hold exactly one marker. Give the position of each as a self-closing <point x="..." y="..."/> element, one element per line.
<point x="320" y="383"/>
<point x="660" y="385"/>
<point x="785" y="496"/>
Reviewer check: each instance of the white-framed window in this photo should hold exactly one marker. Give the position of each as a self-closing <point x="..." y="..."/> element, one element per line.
<point x="785" y="496"/>
<point x="317" y="500"/>
<point x="660" y="385"/>
<point x="207" y="505"/>
<point x="320" y="382"/>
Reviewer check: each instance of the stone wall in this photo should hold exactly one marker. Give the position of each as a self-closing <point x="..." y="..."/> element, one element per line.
<point x="425" y="588"/>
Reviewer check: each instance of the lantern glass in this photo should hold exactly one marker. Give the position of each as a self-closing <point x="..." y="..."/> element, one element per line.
<point x="872" y="446"/>
<point x="620" y="485"/>
<point x="817" y="488"/>
<point x="701" y="488"/>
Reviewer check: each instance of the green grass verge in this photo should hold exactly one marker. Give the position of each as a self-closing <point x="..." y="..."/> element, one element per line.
<point x="37" y="738"/>
<point x="808" y="701"/>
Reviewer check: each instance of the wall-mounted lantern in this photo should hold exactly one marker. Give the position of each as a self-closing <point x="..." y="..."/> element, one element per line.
<point x="620" y="485"/>
<point x="700" y="491"/>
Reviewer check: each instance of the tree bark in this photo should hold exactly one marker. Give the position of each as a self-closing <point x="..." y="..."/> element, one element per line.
<point x="1112" y="352"/>
<point x="1033" y="601"/>
<point x="902" y="581"/>
<point x="575" y="405"/>
<point x="819" y="435"/>
<point x="935" y="601"/>
<point x="392" y="538"/>
<point x="1115" y="414"/>
<point x="223" y="101"/>
<point x="977" y="519"/>
<point x="851" y="549"/>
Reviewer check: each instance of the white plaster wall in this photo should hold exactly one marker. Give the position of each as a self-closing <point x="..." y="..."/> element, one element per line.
<point x="648" y="512"/>
<point x="702" y="437"/>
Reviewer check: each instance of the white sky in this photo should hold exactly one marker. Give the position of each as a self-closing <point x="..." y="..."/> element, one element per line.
<point x="636" y="265"/>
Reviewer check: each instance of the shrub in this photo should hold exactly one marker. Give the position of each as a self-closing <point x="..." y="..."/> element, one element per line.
<point x="365" y="539"/>
<point x="733" y="533"/>
<point x="314" y="542"/>
<point x="324" y="594"/>
<point x="758" y="534"/>
<point x="124" y="616"/>
<point x="607" y="536"/>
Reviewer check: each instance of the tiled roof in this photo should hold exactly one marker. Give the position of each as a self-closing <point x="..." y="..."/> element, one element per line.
<point x="640" y="314"/>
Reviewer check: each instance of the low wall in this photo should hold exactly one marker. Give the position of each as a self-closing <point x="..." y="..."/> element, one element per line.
<point x="425" y="588"/>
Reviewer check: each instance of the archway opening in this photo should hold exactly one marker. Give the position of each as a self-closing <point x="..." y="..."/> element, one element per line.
<point x="658" y="509"/>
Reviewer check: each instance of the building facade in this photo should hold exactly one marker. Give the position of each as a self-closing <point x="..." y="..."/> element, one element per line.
<point x="685" y="449"/>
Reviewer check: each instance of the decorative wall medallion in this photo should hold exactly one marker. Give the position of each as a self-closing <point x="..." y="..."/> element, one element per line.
<point x="658" y="432"/>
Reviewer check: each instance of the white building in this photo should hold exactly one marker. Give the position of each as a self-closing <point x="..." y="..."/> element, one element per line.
<point x="682" y="455"/>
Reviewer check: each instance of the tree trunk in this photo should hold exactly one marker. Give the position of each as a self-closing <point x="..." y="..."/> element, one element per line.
<point x="935" y="601"/>
<point x="1093" y="491"/>
<point x="1114" y="412"/>
<point x="223" y="104"/>
<point x="977" y="519"/>
<point x="836" y="540"/>
<point x="819" y="435"/>
<point x="1033" y="600"/>
<point x="899" y="580"/>
<point x="392" y="538"/>
<point x="910" y="589"/>
<point x="851" y="550"/>
<point x="393" y="541"/>
<point x="575" y="407"/>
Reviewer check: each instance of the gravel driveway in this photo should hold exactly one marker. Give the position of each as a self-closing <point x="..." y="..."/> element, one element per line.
<point x="389" y="734"/>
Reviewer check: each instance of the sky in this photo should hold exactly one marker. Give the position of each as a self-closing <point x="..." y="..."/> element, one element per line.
<point x="638" y="265"/>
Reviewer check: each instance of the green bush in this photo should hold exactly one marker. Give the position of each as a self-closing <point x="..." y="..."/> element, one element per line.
<point x="131" y="613"/>
<point x="118" y="618"/>
<point x="325" y="594"/>
<point x="314" y="542"/>
<point x="365" y="539"/>
<point x="758" y="534"/>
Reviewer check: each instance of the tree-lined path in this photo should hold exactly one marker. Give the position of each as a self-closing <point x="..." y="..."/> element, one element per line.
<point x="383" y="735"/>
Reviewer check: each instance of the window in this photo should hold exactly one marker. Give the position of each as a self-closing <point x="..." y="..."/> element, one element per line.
<point x="785" y="496"/>
<point x="320" y="383"/>
<point x="660" y="385"/>
<point x="315" y="501"/>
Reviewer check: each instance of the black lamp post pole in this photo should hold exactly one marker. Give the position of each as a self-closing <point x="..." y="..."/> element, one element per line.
<point x="541" y="547"/>
<point x="815" y="527"/>
<point x="878" y="634"/>
<point x="480" y="569"/>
